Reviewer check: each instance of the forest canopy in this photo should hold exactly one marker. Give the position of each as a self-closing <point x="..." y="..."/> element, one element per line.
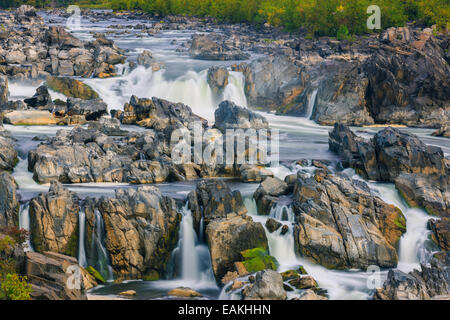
<point x="319" y="17"/>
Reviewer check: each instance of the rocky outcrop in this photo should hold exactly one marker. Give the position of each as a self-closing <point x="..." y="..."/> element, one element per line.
<point x="90" y="110"/>
<point x="440" y="232"/>
<point x="217" y="79"/>
<point x="433" y="281"/>
<point x="4" y="93"/>
<point x="231" y="116"/>
<point x="342" y="225"/>
<point x="71" y="88"/>
<point x="268" y="285"/>
<point x="146" y="59"/>
<point x="40" y="100"/>
<point x="419" y="171"/>
<point x="227" y="237"/>
<point x="54" y="276"/>
<point x="9" y="201"/>
<point x="54" y="221"/>
<point x="141" y="231"/>
<point x="443" y="131"/>
<point x="8" y="155"/>
<point x="208" y="47"/>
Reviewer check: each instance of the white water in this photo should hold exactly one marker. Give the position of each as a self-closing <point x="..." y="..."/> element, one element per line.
<point x="82" y="261"/>
<point x="97" y="238"/>
<point x="311" y="104"/>
<point x="24" y="223"/>
<point x="191" y="89"/>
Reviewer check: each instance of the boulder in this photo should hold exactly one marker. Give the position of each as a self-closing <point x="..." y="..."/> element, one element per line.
<point x="440" y="232"/>
<point x="254" y="173"/>
<point x="146" y="59"/>
<point x="217" y="78"/>
<point x="141" y="231"/>
<point x="267" y="193"/>
<point x="8" y="155"/>
<point x="72" y="88"/>
<point x="92" y="109"/>
<point x="342" y="225"/>
<point x="40" y="100"/>
<point x="108" y="126"/>
<point x="273" y="225"/>
<point x="268" y="285"/>
<point x="231" y="116"/>
<point x="54" y="221"/>
<point x="228" y="237"/>
<point x="9" y="201"/>
<point x="184" y="292"/>
<point x="30" y="118"/>
<point x="203" y="47"/>
<point x="54" y="276"/>
<point x="310" y="295"/>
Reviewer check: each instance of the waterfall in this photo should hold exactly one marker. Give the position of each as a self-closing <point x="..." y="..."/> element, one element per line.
<point x="191" y="89"/>
<point x="24" y="223"/>
<point x="282" y="212"/>
<point x="311" y="104"/>
<point x="82" y="261"/>
<point x="103" y="264"/>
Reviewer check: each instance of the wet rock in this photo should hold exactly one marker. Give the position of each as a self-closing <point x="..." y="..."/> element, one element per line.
<point x="141" y="231"/>
<point x="71" y="88"/>
<point x="146" y="59"/>
<point x="228" y="237"/>
<point x="231" y="116"/>
<point x="54" y="221"/>
<point x="217" y="79"/>
<point x="272" y="225"/>
<point x="342" y="225"/>
<point x="268" y="285"/>
<point x="184" y="292"/>
<point x="49" y="275"/>
<point x="40" y="100"/>
<point x="440" y="232"/>
<point x="305" y="282"/>
<point x="91" y="110"/>
<point x="9" y="201"/>
<point x="267" y="194"/>
<point x="128" y="293"/>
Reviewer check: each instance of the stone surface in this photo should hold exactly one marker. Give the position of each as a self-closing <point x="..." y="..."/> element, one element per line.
<point x="217" y="78"/>
<point x="231" y="116"/>
<point x="9" y="201"/>
<point x="30" y="118"/>
<point x="268" y="285"/>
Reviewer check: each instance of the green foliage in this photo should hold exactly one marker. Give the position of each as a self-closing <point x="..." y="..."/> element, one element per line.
<point x="95" y="274"/>
<point x="14" y="287"/>
<point x="258" y="259"/>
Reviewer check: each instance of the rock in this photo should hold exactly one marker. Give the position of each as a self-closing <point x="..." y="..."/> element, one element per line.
<point x="30" y="118"/>
<point x="442" y="131"/>
<point x="440" y="232"/>
<point x="309" y="295"/>
<point x="92" y="110"/>
<point x="268" y="286"/>
<point x="228" y="237"/>
<point x="205" y="48"/>
<point x="342" y="225"/>
<point x="146" y="59"/>
<point x="71" y="88"/>
<point x="8" y="155"/>
<point x="141" y="231"/>
<point x="40" y="100"/>
<point x="217" y="79"/>
<point x="419" y="171"/>
<point x="59" y="37"/>
<point x="184" y="292"/>
<point x="267" y="193"/>
<point x="54" y="221"/>
<point x="128" y="293"/>
<point x="108" y="126"/>
<point x="254" y="173"/>
<point x="26" y="10"/>
<point x="54" y="277"/>
<point x="4" y="93"/>
<point x="272" y="225"/>
<point x="231" y="116"/>
<point x="305" y="282"/>
<point x="9" y="201"/>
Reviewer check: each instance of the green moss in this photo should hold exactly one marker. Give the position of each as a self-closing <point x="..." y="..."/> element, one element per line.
<point x="301" y="270"/>
<point x="400" y="222"/>
<point x="258" y="259"/>
<point x="95" y="274"/>
<point x="72" y="245"/>
<point x="152" y="276"/>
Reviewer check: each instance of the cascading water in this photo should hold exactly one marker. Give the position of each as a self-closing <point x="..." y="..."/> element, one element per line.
<point x="82" y="260"/>
<point x="311" y="104"/>
<point x="191" y="89"/>
<point x="24" y="223"/>
<point x="102" y="262"/>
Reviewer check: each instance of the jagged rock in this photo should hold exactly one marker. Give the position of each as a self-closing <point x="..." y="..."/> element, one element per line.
<point x="204" y="48"/>
<point x="343" y="225"/>
<point x="267" y="193"/>
<point x="419" y="171"/>
<point x="8" y="155"/>
<point x="268" y="285"/>
<point x="54" y="221"/>
<point x="54" y="276"/>
<point x="9" y="201"/>
<point x="4" y="93"/>
<point x="91" y="109"/>
<point x="108" y="126"/>
<point x="72" y="88"/>
<point x="231" y="116"/>
<point x="441" y="232"/>
<point x="228" y="237"/>
<point x="141" y="231"/>
<point x="217" y="79"/>
<point x="40" y="100"/>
